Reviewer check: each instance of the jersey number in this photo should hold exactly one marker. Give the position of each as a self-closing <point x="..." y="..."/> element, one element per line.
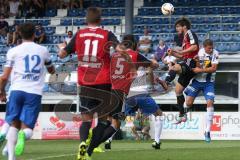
<point x="93" y="57"/>
<point x="36" y="60"/>
<point x="119" y="66"/>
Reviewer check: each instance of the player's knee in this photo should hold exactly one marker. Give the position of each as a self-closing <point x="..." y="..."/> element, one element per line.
<point x="116" y="123"/>
<point x="16" y="124"/>
<point x="210" y="103"/>
<point x="189" y="103"/>
<point x="179" y="89"/>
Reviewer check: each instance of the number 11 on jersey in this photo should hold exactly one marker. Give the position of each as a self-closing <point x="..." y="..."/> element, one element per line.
<point x="93" y="56"/>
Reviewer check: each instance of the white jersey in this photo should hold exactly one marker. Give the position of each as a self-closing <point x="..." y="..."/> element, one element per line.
<point x="170" y="59"/>
<point x="206" y="60"/>
<point x="28" y="62"/>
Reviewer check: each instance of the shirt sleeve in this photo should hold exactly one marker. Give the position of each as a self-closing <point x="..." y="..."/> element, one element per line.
<point x="143" y="61"/>
<point x="70" y="48"/>
<point x="215" y="57"/>
<point x="112" y="37"/>
<point x="192" y="37"/>
<point x="10" y="59"/>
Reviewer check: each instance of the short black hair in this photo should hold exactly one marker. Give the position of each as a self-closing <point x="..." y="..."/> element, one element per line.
<point x="27" y="31"/>
<point x="208" y="42"/>
<point x="183" y="22"/>
<point x="129" y="41"/>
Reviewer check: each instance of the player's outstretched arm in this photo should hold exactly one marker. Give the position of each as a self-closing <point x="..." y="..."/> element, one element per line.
<point x="211" y="69"/>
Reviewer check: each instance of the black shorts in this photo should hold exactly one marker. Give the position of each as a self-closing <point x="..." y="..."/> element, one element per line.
<point x="187" y="74"/>
<point x="117" y="101"/>
<point x="95" y="98"/>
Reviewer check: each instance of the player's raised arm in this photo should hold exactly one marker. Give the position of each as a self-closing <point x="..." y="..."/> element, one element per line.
<point x="49" y="65"/>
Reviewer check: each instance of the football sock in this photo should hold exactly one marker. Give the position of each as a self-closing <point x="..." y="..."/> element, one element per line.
<point x="98" y="132"/>
<point x="180" y="103"/>
<point x="11" y="142"/>
<point x="171" y="76"/>
<point x="4" y="129"/>
<point x="28" y="133"/>
<point x="108" y="133"/>
<point x="84" y="130"/>
<point x="158" y="124"/>
<point x="5" y="150"/>
<point x="209" y="118"/>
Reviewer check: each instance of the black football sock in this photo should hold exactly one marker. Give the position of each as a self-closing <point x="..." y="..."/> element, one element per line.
<point x="84" y="130"/>
<point x="98" y="132"/>
<point x="108" y="133"/>
<point x="180" y="103"/>
<point x="171" y="76"/>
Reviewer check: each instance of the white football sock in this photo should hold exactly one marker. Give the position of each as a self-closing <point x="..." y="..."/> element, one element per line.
<point x="28" y="133"/>
<point x="5" y="151"/>
<point x="4" y="129"/>
<point x="209" y="118"/>
<point x="158" y="124"/>
<point x="11" y="142"/>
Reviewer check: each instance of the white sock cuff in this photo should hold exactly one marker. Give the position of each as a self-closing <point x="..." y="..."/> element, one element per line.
<point x="210" y="109"/>
<point x="28" y="133"/>
<point x="159" y="118"/>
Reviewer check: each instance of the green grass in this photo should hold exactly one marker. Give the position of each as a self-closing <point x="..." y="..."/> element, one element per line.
<point x="136" y="150"/>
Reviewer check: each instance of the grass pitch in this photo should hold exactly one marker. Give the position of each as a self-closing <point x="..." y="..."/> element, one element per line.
<point x="135" y="150"/>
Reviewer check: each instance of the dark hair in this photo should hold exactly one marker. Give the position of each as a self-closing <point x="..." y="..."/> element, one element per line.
<point x="129" y="41"/>
<point x="183" y="22"/>
<point x="93" y="15"/>
<point x="70" y="32"/>
<point x="27" y="31"/>
<point x="208" y="42"/>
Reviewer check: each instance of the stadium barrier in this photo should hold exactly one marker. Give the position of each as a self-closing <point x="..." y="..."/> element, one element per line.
<point x="226" y="126"/>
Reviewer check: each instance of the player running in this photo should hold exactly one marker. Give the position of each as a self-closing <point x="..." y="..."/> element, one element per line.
<point x="204" y="81"/>
<point x="92" y="47"/>
<point x="183" y="68"/>
<point x="25" y="63"/>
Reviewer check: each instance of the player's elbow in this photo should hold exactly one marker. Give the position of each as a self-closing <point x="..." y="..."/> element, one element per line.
<point x="51" y="70"/>
<point x="3" y="78"/>
<point x="194" y="48"/>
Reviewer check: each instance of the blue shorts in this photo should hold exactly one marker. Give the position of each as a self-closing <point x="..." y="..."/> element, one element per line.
<point x="144" y="102"/>
<point x="206" y="87"/>
<point x="24" y="107"/>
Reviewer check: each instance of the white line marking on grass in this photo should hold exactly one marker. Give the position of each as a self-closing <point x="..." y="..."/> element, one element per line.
<point x="64" y="155"/>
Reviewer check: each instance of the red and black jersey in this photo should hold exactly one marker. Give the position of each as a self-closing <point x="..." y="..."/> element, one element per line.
<point x="190" y="38"/>
<point x="92" y="48"/>
<point x="124" y="67"/>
